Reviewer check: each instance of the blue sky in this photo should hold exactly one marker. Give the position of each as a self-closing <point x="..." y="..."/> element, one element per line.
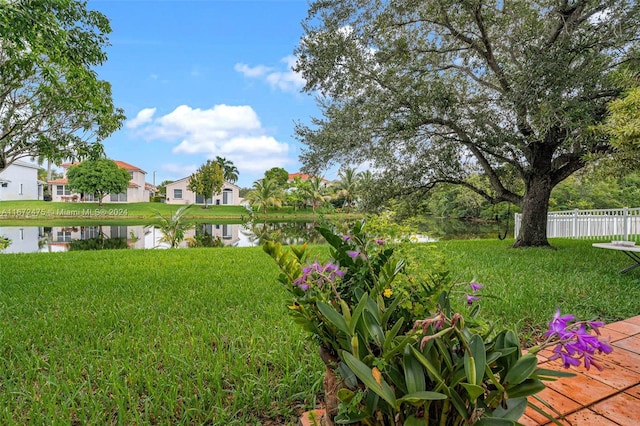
<point x="204" y="78"/>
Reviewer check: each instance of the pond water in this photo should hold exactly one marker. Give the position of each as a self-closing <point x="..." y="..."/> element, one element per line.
<point x="33" y="239"/>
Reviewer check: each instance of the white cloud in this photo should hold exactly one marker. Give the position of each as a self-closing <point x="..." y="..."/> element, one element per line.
<point x="144" y="116"/>
<point x="253" y="72"/>
<point x="233" y="132"/>
<point x="286" y="80"/>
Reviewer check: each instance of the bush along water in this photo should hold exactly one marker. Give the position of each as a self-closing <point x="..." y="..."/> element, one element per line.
<point x="395" y="351"/>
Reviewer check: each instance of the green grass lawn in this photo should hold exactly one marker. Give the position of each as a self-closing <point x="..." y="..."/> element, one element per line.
<point x="201" y="336"/>
<point x="17" y="212"/>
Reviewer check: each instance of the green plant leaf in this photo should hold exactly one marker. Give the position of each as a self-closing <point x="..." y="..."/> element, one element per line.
<point x="419" y="398"/>
<point x="474" y="391"/>
<point x="515" y="408"/>
<point x="521" y="370"/>
<point x="545" y="374"/>
<point x="357" y="312"/>
<point x="415" y="421"/>
<point x="413" y="373"/>
<point x="391" y="334"/>
<point x="333" y="317"/>
<point x="345" y="395"/>
<point x="428" y="365"/>
<point x="373" y="327"/>
<point x="475" y="361"/>
<point x="526" y="388"/>
<point x="365" y="374"/>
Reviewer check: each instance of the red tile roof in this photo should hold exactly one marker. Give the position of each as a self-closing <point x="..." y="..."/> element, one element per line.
<point x="302" y="176"/>
<point x="120" y="164"/>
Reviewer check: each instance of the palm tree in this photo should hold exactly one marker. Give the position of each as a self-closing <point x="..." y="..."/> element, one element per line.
<point x="173" y="227"/>
<point x="229" y="171"/>
<point x="347" y="186"/>
<point x="316" y="192"/>
<point x="265" y="193"/>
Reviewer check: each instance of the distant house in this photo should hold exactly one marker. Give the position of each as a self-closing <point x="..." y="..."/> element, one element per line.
<point x="178" y="193"/>
<point x="304" y="176"/>
<point x="137" y="192"/>
<point x="19" y="181"/>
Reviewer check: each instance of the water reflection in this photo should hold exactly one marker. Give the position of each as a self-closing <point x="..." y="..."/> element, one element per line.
<point x="32" y="239"/>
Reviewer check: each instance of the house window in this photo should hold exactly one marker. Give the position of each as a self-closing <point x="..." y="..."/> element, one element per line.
<point x="227" y="196"/>
<point x="20" y="192"/>
<point x="177" y="193"/>
<point x="118" y="232"/>
<point x="119" y="197"/>
<point x="226" y="232"/>
<point x="62" y="190"/>
<point x="200" y="199"/>
<point x="63" y="236"/>
<point x="90" y="232"/>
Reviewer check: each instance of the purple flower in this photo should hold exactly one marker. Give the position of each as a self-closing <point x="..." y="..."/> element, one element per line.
<point x="353" y="254"/>
<point x="346" y="238"/>
<point x="380" y="242"/>
<point x="574" y="342"/>
<point x="559" y="324"/>
<point x="475" y="286"/>
<point x="471" y="298"/>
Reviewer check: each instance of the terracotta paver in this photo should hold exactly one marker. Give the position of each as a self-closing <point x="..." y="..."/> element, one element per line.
<point x="587" y="417"/>
<point x="622" y="408"/>
<point x="623" y="358"/>
<point x="582" y="389"/>
<point x="627" y="328"/>
<point x="630" y="343"/>
<point x="598" y="398"/>
<point x="634" y="320"/>
<point x="559" y="402"/>
<point x="634" y="391"/>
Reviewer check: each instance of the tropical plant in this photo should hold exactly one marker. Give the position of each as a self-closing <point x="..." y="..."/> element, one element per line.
<point x="389" y="363"/>
<point x="315" y="192"/>
<point x="265" y="193"/>
<point x="229" y="170"/>
<point x="347" y="186"/>
<point x="173" y="227"/>
<point x="98" y="177"/>
<point x="4" y="242"/>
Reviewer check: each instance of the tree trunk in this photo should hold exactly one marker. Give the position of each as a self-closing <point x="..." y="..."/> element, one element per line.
<point x="535" y="206"/>
<point x="332" y="384"/>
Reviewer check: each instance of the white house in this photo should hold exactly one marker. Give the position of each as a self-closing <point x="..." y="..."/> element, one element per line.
<point x="19" y="181"/>
<point x="178" y="193"/>
<point x="138" y="190"/>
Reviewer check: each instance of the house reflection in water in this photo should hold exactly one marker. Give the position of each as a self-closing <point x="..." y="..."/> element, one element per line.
<point x="32" y="239"/>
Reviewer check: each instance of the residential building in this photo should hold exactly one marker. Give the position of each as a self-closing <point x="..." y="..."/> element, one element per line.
<point x="138" y="190"/>
<point x="19" y="181"/>
<point x="178" y="193"/>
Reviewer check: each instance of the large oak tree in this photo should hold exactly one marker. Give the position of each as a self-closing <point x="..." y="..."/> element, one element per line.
<point x="52" y="104"/>
<point x="435" y="91"/>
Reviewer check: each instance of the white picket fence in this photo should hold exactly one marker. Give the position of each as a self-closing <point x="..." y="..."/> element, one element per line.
<point x="615" y="224"/>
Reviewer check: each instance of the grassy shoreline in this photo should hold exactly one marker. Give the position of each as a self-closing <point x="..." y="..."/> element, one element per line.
<point x="17" y="212"/>
<point x="201" y="336"/>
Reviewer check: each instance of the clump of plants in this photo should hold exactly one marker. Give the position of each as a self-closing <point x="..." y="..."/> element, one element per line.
<point x="397" y="353"/>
